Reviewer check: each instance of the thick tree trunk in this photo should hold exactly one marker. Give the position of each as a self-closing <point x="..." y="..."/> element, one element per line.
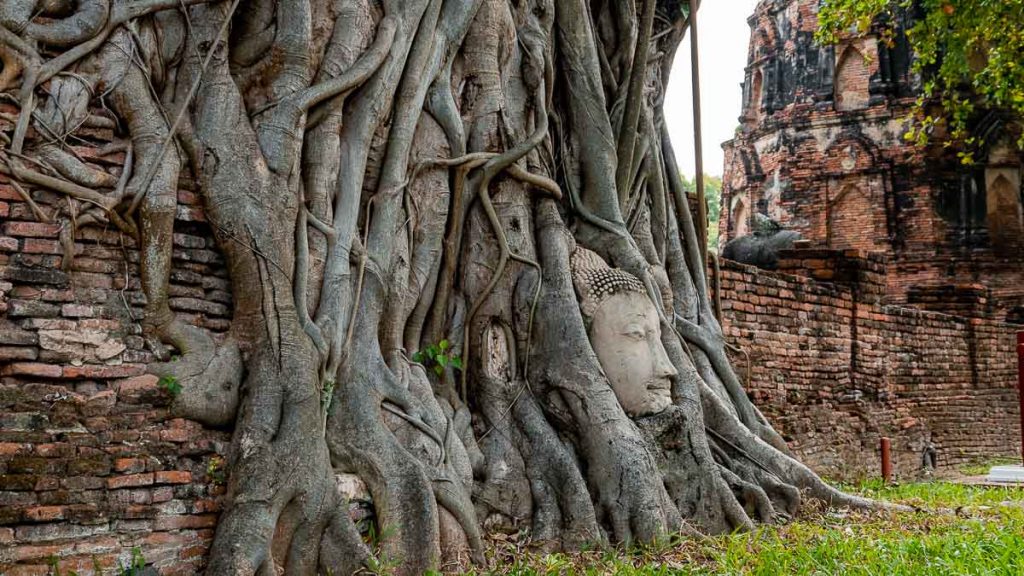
<point x="400" y="189"/>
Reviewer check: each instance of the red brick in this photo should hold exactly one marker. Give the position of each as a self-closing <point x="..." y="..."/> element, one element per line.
<point x="11" y="448"/>
<point x="130" y="480"/>
<point x="7" y="192"/>
<point x="44" y="513"/>
<point x="54" y="450"/>
<point x="207" y="506"/>
<point x="47" y="483"/>
<point x="164" y="494"/>
<point x="90" y="371"/>
<point x="8" y="244"/>
<point x="175" y="435"/>
<point x="31" y="369"/>
<point x="29" y="570"/>
<point x="193" y="552"/>
<point x="154" y="539"/>
<point x="31" y="229"/>
<point x="174" y="477"/>
<point x="130" y="465"/>
<point x="38" y="246"/>
<point x="186" y="521"/>
<point x="77" y="311"/>
<point x="12" y="353"/>
<point x="36" y="552"/>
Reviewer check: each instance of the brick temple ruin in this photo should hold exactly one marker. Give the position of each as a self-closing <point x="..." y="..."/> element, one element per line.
<point x="93" y="465"/>
<point x="820" y="150"/>
<point x="897" y="313"/>
<point x="898" y="310"/>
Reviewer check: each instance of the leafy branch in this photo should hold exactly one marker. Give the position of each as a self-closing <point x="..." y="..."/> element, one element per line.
<point x="438" y="357"/>
<point x="969" y="54"/>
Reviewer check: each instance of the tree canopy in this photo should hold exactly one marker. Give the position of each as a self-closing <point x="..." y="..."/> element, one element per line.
<point x="713" y="196"/>
<point x="968" y="53"/>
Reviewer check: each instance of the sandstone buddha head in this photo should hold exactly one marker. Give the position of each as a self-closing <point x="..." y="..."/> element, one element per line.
<point x="625" y="333"/>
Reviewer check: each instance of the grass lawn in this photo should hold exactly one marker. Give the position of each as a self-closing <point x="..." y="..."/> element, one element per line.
<point x="959" y="530"/>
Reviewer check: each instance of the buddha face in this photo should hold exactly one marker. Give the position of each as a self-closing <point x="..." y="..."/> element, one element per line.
<point x="626" y="336"/>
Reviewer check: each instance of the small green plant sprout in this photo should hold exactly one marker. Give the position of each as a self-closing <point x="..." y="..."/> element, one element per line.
<point x="215" y="471"/>
<point x="438" y="357"/>
<point x="135" y="566"/>
<point x="54" y="563"/>
<point x="169" y="384"/>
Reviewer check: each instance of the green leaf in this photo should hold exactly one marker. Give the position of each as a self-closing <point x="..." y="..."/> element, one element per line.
<point x="444" y="345"/>
<point x="442" y="360"/>
<point x="456" y="362"/>
<point x="418" y="357"/>
<point x="438" y="370"/>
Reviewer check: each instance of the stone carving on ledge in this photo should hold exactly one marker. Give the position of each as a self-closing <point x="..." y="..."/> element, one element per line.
<point x="761" y="248"/>
<point x="625" y="333"/>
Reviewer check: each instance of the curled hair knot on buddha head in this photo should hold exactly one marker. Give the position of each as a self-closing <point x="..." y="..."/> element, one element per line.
<point x="595" y="281"/>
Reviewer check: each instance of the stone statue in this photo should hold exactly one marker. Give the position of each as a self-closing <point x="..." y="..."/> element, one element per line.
<point x="625" y="333"/>
<point x="762" y="247"/>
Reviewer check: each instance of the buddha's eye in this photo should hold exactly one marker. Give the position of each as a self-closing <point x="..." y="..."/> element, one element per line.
<point x="635" y="332"/>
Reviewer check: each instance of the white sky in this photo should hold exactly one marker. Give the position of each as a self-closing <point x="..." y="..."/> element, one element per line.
<point x="724" y="35"/>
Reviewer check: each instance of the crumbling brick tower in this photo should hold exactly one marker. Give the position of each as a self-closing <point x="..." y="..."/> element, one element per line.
<point x="820" y="149"/>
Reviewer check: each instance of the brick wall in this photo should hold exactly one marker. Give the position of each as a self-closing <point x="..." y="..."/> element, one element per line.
<point x="834" y="369"/>
<point x="91" y="463"/>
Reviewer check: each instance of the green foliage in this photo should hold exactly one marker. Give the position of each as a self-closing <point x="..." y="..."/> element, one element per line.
<point x="135" y="566"/>
<point x="985" y="536"/>
<point x="970" y="54"/>
<point x="54" y="563"/>
<point x="216" y="471"/>
<point x="325" y="396"/>
<point x="377" y="563"/>
<point x="438" y="357"/>
<point x="169" y="384"/>
<point x="713" y="198"/>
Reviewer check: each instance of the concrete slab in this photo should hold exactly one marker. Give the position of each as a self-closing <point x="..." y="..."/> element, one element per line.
<point x="1006" y="474"/>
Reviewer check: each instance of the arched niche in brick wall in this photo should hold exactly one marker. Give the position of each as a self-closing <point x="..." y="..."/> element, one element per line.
<point x="756" y="96"/>
<point x="1004" y="213"/>
<point x="739" y="215"/>
<point x="851" y="80"/>
<point x="852" y="220"/>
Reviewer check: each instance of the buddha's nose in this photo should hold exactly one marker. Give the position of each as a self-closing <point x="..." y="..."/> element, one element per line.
<point x="663" y="367"/>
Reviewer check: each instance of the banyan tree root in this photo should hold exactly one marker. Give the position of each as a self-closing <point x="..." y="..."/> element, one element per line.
<point x="400" y="189"/>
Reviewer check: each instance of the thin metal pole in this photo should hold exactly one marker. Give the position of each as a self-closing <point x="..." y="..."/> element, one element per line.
<point x="1020" y="387"/>
<point x="698" y="148"/>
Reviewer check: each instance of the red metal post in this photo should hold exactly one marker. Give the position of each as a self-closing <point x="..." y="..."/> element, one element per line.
<point x="1020" y="387"/>
<point x="886" y="460"/>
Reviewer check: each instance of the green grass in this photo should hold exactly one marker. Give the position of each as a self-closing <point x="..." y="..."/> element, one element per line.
<point x="960" y="530"/>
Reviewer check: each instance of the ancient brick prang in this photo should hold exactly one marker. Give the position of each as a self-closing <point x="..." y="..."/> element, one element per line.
<point x="821" y="150"/>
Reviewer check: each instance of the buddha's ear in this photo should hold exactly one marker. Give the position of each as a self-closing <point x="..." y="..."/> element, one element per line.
<point x="664" y="285"/>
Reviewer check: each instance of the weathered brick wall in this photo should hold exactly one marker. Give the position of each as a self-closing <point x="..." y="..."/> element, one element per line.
<point x="91" y="463"/>
<point x="835" y="370"/>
